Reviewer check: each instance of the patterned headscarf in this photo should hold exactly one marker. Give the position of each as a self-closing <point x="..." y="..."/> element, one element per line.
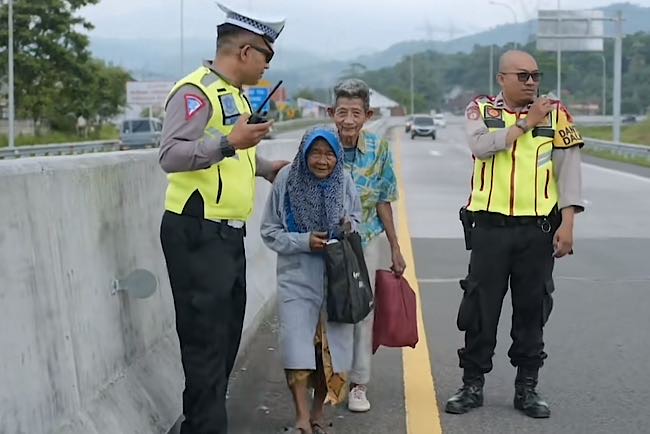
<point x="314" y="204"/>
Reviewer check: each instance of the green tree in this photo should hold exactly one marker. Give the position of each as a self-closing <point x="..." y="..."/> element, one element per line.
<point x="354" y="70"/>
<point x="56" y="79"/>
<point x="320" y="95"/>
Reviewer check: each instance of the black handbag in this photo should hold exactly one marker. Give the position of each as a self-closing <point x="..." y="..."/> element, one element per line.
<point x="349" y="295"/>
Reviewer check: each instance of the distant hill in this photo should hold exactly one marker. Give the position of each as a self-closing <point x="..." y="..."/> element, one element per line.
<point x="159" y="59"/>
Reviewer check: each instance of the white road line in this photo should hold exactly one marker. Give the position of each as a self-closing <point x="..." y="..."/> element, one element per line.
<point x="618" y="172"/>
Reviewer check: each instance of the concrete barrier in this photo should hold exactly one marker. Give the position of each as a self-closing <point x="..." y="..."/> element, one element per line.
<point x="76" y="359"/>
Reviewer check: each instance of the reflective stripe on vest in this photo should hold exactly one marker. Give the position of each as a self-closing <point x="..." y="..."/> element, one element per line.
<point x="518" y="181"/>
<point x="228" y="187"/>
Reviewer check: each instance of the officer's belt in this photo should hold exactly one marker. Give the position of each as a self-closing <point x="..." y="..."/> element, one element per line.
<point x="484" y="218"/>
<point x="235" y="224"/>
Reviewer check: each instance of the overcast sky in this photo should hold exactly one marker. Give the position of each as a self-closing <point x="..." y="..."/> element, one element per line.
<point x="323" y="26"/>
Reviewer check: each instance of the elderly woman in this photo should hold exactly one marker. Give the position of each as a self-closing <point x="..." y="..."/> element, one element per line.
<point x="310" y="201"/>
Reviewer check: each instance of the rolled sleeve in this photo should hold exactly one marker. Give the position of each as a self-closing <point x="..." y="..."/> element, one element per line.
<point x="186" y="144"/>
<point x="567" y="170"/>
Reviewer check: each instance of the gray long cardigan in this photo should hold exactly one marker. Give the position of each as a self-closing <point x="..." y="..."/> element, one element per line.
<point x="301" y="283"/>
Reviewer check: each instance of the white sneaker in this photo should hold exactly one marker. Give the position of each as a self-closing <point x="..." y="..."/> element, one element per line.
<point x="357" y="401"/>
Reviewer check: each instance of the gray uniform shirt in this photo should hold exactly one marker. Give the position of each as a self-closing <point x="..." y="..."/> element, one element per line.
<point x="566" y="161"/>
<point x="186" y="144"/>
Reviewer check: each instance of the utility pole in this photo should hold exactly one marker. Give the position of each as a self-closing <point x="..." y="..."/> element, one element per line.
<point x="559" y="54"/>
<point x="412" y="92"/>
<point x="604" y="108"/>
<point x="491" y="69"/>
<point x="182" y="66"/>
<point x="11" y="101"/>
<point x="618" y="68"/>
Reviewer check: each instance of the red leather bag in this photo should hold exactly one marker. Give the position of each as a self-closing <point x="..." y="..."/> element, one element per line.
<point x="395" y="322"/>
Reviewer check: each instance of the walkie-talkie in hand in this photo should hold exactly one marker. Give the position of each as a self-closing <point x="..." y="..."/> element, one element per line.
<point x="259" y="117"/>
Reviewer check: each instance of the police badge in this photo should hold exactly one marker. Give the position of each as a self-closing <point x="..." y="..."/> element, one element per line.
<point x="229" y="109"/>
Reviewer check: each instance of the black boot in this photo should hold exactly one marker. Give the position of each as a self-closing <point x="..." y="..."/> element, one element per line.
<point x="526" y="398"/>
<point x="468" y="397"/>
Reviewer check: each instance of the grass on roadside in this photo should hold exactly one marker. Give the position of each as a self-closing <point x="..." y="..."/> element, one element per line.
<point x="637" y="134"/>
<point x="107" y="132"/>
<point x="639" y="161"/>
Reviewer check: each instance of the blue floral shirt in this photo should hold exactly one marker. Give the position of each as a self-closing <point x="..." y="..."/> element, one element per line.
<point x="373" y="173"/>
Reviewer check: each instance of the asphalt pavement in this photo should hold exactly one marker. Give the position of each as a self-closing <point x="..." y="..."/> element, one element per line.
<point x="595" y="378"/>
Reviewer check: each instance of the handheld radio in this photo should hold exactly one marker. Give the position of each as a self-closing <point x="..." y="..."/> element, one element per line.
<point x="258" y="117"/>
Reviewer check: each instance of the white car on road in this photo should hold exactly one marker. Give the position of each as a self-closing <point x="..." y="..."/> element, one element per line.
<point x="439" y="120"/>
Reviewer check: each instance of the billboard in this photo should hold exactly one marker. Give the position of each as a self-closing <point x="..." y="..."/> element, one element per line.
<point x="148" y="93"/>
<point x="584" y="30"/>
<point x="257" y="95"/>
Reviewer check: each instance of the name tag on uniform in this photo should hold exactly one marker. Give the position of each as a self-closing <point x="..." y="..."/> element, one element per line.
<point x="229" y="109"/>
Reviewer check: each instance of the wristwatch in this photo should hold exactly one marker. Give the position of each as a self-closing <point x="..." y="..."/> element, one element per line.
<point x="226" y="148"/>
<point x="522" y="124"/>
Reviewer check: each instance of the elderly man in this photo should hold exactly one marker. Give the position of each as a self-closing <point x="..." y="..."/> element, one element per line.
<point x="525" y="192"/>
<point x="369" y="160"/>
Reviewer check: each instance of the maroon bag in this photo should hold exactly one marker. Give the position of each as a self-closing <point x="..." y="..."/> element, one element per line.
<point x="395" y="322"/>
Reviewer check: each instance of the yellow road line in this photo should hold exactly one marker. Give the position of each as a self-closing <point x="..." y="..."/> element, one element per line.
<point x="422" y="415"/>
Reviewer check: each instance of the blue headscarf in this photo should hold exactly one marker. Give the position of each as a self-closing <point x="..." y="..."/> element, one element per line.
<point x="314" y="204"/>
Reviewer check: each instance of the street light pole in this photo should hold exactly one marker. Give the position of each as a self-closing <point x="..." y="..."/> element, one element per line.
<point x="559" y="54"/>
<point x="412" y="91"/>
<point x="182" y="46"/>
<point x="491" y="69"/>
<point x="602" y="57"/>
<point x="514" y="14"/>
<point x="10" y="50"/>
<point x="618" y="67"/>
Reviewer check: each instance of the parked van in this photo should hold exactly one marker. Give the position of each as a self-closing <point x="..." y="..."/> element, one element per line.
<point x="140" y="133"/>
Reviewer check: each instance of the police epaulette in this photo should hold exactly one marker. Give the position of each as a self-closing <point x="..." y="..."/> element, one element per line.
<point x="484" y="98"/>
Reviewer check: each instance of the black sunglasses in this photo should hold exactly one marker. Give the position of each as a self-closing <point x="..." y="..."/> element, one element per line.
<point x="524" y="76"/>
<point x="268" y="54"/>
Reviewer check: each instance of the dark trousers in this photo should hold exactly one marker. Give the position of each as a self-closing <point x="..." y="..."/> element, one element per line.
<point x="207" y="272"/>
<point x="520" y="255"/>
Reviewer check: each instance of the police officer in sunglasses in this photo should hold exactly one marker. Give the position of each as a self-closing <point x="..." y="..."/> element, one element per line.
<point x="525" y="191"/>
<point x="208" y="150"/>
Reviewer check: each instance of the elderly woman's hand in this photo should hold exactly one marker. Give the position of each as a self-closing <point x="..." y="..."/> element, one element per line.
<point x="317" y="241"/>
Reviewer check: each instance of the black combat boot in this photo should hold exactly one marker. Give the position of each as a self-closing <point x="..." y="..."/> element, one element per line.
<point x="468" y="397"/>
<point x="526" y="398"/>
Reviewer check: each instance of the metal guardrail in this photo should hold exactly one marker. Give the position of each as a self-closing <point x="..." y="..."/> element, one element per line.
<point x="116" y="145"/>
<point x="623" y="149"/>
<point x="60" y="149"/>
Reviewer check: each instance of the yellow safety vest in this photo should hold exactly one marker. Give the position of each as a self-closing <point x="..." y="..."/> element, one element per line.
<point x="518" y="181"/>
<point x="228" y="187"/>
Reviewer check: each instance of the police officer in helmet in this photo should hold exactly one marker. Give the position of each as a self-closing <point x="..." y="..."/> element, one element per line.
<point x="208" y="151"/>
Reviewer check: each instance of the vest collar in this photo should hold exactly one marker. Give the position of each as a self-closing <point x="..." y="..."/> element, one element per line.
<point x="500" y="102"/>
<point x="210" y="65"/>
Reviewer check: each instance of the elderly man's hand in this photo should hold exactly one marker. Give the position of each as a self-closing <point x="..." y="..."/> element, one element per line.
<point x="399" y="264"/>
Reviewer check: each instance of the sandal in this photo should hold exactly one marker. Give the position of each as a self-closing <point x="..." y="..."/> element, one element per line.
<point x="317" y="428"/>
<point x="294" y="430"/>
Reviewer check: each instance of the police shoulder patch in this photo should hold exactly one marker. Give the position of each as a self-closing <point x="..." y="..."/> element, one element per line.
<point x="193" y="103"/>
<point x="493" y="113"/>
<point x="472" y="112"/>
